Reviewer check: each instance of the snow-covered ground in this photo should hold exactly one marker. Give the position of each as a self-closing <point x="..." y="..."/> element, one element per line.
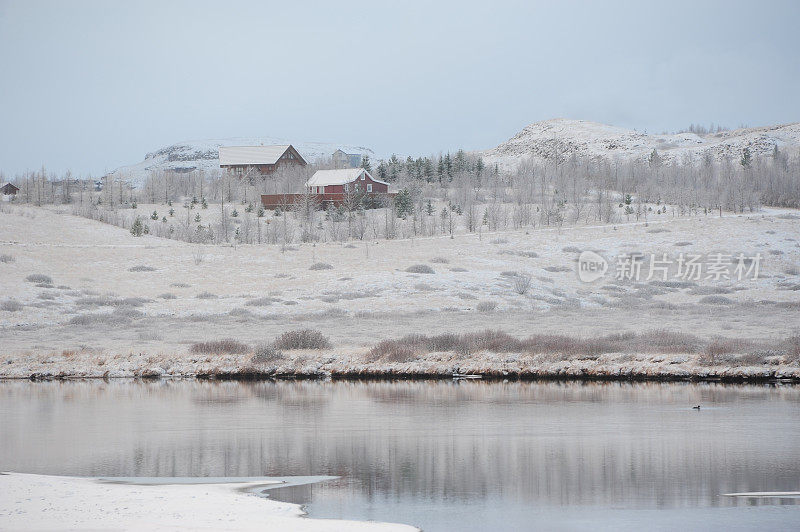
<point x="585" y="139"/>
<point x="42" y="502"/>
<point x="123" y="304"/>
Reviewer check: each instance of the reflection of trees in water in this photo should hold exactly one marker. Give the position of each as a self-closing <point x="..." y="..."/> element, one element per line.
<point x="554" y="442"/>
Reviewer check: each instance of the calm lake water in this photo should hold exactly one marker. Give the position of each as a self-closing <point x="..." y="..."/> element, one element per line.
<point x="438" y="455"/>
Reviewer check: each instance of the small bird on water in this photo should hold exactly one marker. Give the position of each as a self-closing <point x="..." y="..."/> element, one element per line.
<point x="696" y="407"/>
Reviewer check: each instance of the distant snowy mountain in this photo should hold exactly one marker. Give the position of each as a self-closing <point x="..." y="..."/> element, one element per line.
<point x="204" y="155"/>
<point x="544" y="140"/>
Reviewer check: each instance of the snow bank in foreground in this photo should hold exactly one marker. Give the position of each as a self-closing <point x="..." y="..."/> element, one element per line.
<point x="44" y="502"/>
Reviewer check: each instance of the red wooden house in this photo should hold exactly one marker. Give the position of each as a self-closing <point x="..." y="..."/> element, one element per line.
<point x="334" y="187"/>
<point x="346" y="180"/>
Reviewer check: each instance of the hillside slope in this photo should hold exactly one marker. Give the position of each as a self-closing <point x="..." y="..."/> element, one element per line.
<point x="584" y="139"/>
<point x="204" y="155"/>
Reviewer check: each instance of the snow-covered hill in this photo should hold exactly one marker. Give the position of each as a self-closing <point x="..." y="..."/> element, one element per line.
<point x="562" y="137"/>
<point x="204" y="155"/>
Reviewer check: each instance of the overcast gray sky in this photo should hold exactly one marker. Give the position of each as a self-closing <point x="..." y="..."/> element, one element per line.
<point x="90" y="86"/>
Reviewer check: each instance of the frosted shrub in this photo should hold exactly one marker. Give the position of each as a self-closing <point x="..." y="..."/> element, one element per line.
<point x="420" y="268"/>
<point x="302" y="339"/>
<point x="266" y="353"/>
<point x="521" y="282"/>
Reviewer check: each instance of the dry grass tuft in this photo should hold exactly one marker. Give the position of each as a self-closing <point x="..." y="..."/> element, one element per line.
<point x="206" y="295"/>
<point x="716" y="300"/>
<point x="39" y="278"/>
<point x="420" y="268"/>
<point x="718" y="351"/>
<point x="11" y="305"/>
<point x="320" y="266"/>
<point x="262" y="302"/>
<point x="555" y="269"/>
<point x="392" y="351"/>
<point x="4" y="258"/>
<point x="141" y="268"/>
<point x="486" y="306"/>
<point x="228" y="346"/>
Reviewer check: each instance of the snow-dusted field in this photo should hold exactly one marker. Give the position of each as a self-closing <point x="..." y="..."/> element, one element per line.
<point x="42" y="502"/>
<point x="114" y="297"/>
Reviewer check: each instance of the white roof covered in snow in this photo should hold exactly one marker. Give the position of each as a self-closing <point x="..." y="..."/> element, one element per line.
<point x="236" y="155"/>
<point x="322" y="178"/>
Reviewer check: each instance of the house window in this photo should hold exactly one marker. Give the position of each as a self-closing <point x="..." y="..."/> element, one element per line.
<point x="363" y="177"/>
<point x="369" y="187"/>
<point x="347" y="187"/>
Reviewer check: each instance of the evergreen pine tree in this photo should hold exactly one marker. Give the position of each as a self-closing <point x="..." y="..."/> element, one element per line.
<point x="747" y="159"/>
<point x="655" y="159"/>
<point x="137" y="229"/>
<point x="366" y="164"/>
<point x="403" y="203"/>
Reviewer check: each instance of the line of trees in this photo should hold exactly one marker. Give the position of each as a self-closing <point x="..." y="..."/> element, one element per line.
<point x="437" y="195"/>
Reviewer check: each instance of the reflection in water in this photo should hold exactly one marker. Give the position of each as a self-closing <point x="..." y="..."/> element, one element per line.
<point x="396" y="443"/>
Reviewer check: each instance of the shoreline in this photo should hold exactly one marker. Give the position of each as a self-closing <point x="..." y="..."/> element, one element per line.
<point x="567" y="371"/>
